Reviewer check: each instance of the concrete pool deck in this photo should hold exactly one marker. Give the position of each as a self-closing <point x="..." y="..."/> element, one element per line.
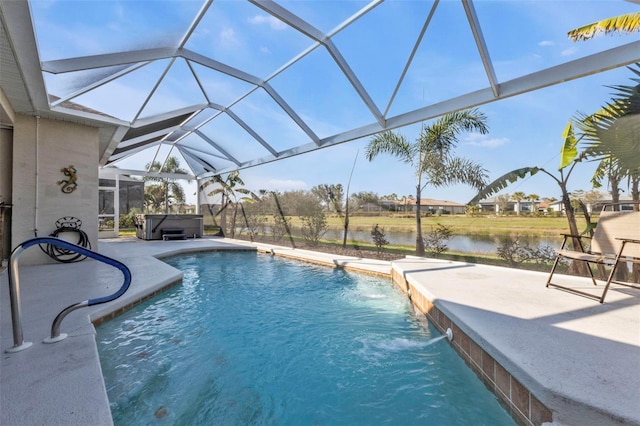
<point x="580" y="359"/>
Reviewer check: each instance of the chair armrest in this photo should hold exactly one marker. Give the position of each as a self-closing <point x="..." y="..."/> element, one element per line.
<point x="576" y="236"/>
<point x="629" y="240"/>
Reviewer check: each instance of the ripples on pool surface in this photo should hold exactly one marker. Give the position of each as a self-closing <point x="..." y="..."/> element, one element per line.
<point x="256" y="339"/>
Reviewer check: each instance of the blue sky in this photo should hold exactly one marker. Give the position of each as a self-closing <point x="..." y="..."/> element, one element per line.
<point x="524" y="131"/>
<point x="522" y="37"/>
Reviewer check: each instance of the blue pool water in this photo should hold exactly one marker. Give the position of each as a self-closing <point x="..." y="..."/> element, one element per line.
<point x="255" y="339"/>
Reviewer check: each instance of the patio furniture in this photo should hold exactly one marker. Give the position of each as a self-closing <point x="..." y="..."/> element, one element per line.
<point x="615" y="243"/>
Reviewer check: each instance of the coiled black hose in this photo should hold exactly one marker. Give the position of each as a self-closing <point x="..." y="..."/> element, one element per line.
<point x="67" y="225"/>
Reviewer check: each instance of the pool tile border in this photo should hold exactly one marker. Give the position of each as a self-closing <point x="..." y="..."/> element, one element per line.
<point x="113" y="314"/>
<point x="514" y="397"/>
<point x="347" y="264"/>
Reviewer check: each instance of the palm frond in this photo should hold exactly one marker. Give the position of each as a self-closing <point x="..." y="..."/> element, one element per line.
<point x="626" y="23"/>
<point x="599" y="175"/>
<point x="177" y="192"/>
<point x="389" y="143"/>
<point x="502" y="182"/>
<point x="468" y="120"/>
<point x="619" y="141"/>
<point x="441" y="136"/>
<point x="613" y="132"/>
<point x="458" y="170"/>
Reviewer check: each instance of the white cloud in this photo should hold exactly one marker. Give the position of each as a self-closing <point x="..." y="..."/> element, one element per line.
<point x="228" y="37"/>
<point x="569" y="51"/>
<point x="274" y="24"/>
<point x="546" y="43"/>
<point x="484" y="141"/>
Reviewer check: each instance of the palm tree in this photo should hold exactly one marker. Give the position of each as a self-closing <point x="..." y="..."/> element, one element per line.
<point x="628" y="23"/>
<point x="229" y="188"/>
<point x="533" y="198"/>
<point x="153" y="198"/>
<point x="518" y="196"/>
<point x="614" y="176"/>
<point x="171" y="189"/>
<point x="612" y="135"/>
<point x="432" y="158"/>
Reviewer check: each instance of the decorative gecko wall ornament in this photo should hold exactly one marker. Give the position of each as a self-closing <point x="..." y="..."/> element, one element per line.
<point x="69" y="185"/>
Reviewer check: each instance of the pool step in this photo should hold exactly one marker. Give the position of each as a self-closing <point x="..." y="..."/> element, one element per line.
<point x="173" y="234"/>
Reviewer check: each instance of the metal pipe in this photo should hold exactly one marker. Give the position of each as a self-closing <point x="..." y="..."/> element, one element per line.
<point x="14" y="289"/>
<point x="55" y="326"/>
<point x="14" y="294"/>
<point x="116" y="207"/>
<point x="37" y="185"/>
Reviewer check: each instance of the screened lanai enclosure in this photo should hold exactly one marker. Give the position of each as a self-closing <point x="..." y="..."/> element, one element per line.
<point x="217" y="84"/>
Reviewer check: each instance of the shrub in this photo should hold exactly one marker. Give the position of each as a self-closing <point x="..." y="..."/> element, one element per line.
<point x="254" y="224"/>
<point x="378" y="236"/>
<point x="127" y="220"/>
<point x="435" y="241"/>
<point x="514" y="252"/>
<point x="314" y="226"/>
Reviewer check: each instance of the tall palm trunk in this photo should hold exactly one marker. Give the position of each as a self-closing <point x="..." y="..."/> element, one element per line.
<point x="223" y="215"/>
<point x="346" y="207"/>
<point x="233" y="223"/>
<point x="635" y="192"/>
<point x="576" y="266"/>
<point x="615" y="191"/>
<point x="166" y="197"/>
<point x="346" y="224"/>
<point x="419" y="240"/>
<point x="246" y="221"/>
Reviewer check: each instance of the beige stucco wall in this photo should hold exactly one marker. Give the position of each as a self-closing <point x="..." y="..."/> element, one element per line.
<point x="6" y="143"/>
<point x="6" y="156"/>
<point x="41" y="149"/>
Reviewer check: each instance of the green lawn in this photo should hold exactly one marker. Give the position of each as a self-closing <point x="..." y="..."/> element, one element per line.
<point x="461" y="224"/>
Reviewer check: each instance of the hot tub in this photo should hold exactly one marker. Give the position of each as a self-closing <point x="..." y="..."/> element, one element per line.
<point x="168" y="226"/>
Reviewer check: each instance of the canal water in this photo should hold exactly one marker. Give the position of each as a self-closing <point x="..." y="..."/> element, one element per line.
<point x="462" y="243"/>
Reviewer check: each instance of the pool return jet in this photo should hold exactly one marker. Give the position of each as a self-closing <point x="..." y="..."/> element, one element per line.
<point x="14" y="289"/>
<point x="447" y="335"/>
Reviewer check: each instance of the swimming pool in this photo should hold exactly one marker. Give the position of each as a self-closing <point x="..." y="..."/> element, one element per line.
<point x="257" y="339"/>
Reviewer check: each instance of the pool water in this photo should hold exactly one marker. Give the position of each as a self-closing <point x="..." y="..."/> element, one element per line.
<point x="256" y="339"/>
